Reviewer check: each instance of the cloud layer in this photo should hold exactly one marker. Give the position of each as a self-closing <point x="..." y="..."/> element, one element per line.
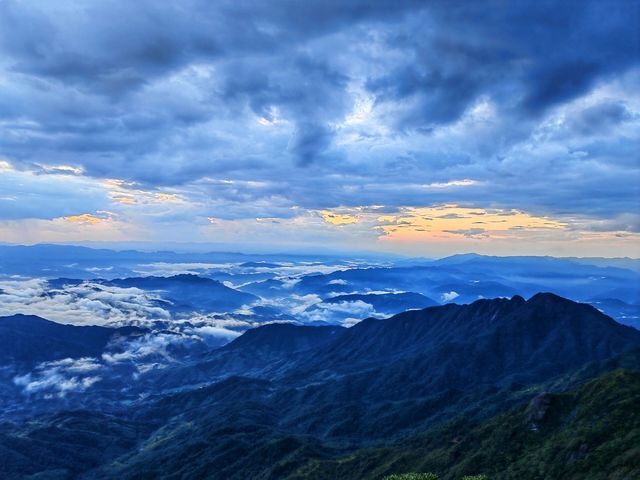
<point x="87" y="303"/>
<point x="201" y="120"/>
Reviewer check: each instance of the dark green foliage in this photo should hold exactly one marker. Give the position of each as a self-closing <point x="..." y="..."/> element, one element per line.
<point x="63" y="445"/>
<point x="591" y="434"/>
<point x="428" y="476"/>
<point x="412" y="476"/>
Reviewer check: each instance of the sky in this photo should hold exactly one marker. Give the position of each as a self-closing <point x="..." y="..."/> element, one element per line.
<point x="420" y="128"/>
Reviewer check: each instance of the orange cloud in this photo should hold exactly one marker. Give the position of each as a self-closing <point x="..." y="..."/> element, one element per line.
<point x="90" y="219"/>
<point x="338" y="218"/>
<point x="125" y="193"/>
<point x="452" y="221"/>
<point x="83" y="218"/>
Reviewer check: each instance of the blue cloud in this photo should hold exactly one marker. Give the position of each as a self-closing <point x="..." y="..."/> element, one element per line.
<point x="256" y="109"/>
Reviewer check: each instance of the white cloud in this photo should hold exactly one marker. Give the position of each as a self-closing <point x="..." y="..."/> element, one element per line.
<point x="449" y="296"/>
<point x="358" y="307"/>
<point x="57" y="378"/>
<point x="165" y="269"/>
<point x="88" y="303"/>
<point x="289" y="283"/>
<point x="302" y="302"/>
<point x="350" y="322"/>
<point x="340" y="312"/>
<point x="217" y="332"/>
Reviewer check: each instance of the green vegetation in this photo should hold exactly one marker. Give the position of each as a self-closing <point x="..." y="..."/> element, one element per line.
<point x="590" y="434"/>
<point x="428" y="476"/>
<point x="412" y="476"/>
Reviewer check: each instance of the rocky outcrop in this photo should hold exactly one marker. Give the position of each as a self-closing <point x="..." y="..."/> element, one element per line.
<point x="537" y="411"/>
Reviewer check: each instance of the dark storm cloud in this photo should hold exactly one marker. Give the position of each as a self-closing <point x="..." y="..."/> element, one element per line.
<point x="600" y="117"/>
<point x="305" y="89"/>
<point x="529" y="56"/>
<point x="192" y="93"/>
<point x="436" y="93"/>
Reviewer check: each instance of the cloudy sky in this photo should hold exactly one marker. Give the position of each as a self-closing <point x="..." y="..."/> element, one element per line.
<point x="412" y="127"/>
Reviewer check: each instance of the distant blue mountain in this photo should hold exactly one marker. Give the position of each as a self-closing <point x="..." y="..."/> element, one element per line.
<point x="625" y="313"/>
<point x="466" y="278"/>
<point x="460" y="278"/>
<point x="180" y="293"/>
<point x="51" y="261"/>
<point x="30" y="339"/>
<point x="382" y="303"/>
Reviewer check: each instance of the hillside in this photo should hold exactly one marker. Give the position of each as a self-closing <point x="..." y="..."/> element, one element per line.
<point x="423" y="391"/>
<point x="31" y="339"/>
<point x="590" y="433"/>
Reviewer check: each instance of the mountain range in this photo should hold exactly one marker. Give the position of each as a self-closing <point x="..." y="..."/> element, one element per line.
<point x="310" y="290"/>
<point x="28" y="339"/>
<point x="490" y="387"/>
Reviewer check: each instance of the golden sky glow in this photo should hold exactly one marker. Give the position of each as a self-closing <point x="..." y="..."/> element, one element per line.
<point x="338" y="218"/>
<point x="131" y="211"/>
<point x="100" y="216"/>
<point x="84" y="218"/>
<point x="4" y="165"/>
<point x="127" y="193"/>
<point x="338" y="136"/>
<point x="451" y="221"/>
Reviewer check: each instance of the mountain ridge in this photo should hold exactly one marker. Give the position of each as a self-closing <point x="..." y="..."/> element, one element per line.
<point x="299" y="405"/>
<point x="31" y="339"/>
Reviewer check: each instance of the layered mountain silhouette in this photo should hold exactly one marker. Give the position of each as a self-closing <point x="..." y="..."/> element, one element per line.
<point x="191" y="291"/>
<point x="384" y="303"/>
<point x="466" y="278"/>
<point x="180" y="293"/>
<point x="452" y="346"/>
<point x="283" y="338"/>
<point x="30" y="339"/>
<point x="424" y="390"/>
